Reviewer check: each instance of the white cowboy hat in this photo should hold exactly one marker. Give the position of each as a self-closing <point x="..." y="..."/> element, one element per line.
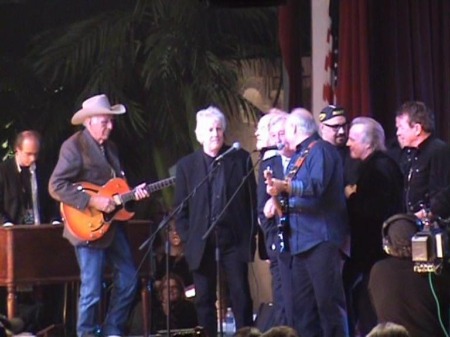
<point x="96" y="105"/>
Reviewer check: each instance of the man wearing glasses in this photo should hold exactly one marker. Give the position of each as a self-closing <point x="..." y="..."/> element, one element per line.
<point x="334" y="129"/>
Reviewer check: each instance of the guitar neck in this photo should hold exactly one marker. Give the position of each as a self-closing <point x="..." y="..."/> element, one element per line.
<point x="159" y="185"/>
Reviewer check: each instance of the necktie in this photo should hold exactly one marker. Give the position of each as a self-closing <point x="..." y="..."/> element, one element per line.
<point x="34" y="194"/>
<point x="113" y="173"/>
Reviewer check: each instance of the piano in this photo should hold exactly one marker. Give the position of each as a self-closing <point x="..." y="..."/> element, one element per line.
<point x="38" y="254"/>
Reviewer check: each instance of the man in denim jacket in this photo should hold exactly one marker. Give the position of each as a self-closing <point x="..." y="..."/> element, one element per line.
<point x="318" y="228"/>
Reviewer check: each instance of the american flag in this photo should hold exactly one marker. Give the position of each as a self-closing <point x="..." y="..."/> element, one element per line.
<point x="331" y="60"/>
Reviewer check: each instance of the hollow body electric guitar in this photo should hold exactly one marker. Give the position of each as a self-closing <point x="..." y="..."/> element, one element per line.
<point x="282" y="208"/>
<point x="91" y="224"/>
<point x="282" y="203"/>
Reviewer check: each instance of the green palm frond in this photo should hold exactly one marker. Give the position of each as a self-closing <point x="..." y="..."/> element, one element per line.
<point x="163" y="59"/>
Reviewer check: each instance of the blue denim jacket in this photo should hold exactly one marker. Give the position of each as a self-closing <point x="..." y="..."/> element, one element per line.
<point x="317" y="203"/>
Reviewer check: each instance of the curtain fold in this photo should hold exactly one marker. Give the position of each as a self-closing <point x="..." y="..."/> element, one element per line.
<point x="410" y="58"/>
<point x="352" y="89"/>
<point x="289" y="33"/>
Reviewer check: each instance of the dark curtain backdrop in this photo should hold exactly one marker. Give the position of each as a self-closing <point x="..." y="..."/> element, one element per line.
<point x="390" y="51"/>
<point x="410" y="58"/>
<point x="294" y="35"/>
<point x="352" y="88"/>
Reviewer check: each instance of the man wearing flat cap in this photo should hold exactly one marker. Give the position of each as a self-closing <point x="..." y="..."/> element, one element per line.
<point x="89" y="156"/>
<point x="334" y="129"/>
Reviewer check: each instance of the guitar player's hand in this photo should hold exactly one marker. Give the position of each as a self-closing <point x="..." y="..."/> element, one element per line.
<point x="102" y="203"/>
<point x="267" y="173"/>
<point x="277" y="186"/>
<point x="140" y="192"/>
<point x="269" y="209"/>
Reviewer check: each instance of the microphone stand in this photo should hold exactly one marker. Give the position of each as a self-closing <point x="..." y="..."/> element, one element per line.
<point x="217" y="248"/>
<point x="163" y="224"/>
<point x="169" y="305"/>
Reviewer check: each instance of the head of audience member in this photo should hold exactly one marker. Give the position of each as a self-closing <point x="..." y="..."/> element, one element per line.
<point x="414" y="122"/>
<point x="97" y="116"/>
<point x="174" y="238"/>
<point x="26" y="147"/>
<point x="176" y="245"/>
<point x="388" y="329"/>
<point x="300" y="125"/>
<point x="366" y="136"/>
<point x="333" y="125"/>
<point x="210" y="130"/>
<point x="398" y="231"/>
<point x="175" y="292"/>
<point x="247" y="331"/>
<point x="281" y="331"/>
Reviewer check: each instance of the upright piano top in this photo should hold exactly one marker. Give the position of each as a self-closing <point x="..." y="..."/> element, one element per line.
<point x="39" y="254"/>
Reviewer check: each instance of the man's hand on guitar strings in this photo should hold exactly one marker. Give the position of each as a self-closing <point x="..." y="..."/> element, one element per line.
<point x="277" y="186"/>
<point x="140" y="192"/>
<point x="102" y="203"/>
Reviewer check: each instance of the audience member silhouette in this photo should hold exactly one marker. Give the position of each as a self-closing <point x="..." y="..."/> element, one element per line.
<point x="281" y="331"/>
<point x="173" y="300"/>
<point x="388" y="329"/>
<point x="177" y="261"/>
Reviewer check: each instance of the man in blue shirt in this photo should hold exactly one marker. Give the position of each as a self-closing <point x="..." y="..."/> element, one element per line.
<point x="318" y="228"/>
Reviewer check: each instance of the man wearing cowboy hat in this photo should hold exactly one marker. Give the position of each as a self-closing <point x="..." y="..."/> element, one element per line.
<point x="89" y="156"/>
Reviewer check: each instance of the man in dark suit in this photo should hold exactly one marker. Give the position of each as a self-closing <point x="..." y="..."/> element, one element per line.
<point x="24" y="197"/>
<point x="90" y="156"/>
<point x="206" y="185"/>
<point x="273" y="125"/>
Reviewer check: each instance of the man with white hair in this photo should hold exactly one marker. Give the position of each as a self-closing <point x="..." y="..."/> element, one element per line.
<point x="89" y="156"/>
<point x="216" y="186"/>
<point x="271" y="129"/>
<point x="376" y="196"/>
<point x="318" y="228"/>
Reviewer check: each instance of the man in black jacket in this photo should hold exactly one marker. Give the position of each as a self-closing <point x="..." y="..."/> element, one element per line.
<point x="376" y="196"/>
<point x="424" y="160"/>
<point x="208" y="182"/>
<point x="24" y="198"/>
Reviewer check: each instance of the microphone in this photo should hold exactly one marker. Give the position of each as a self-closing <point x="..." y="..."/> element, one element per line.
<point x="234" y="147"/>
<point x="278" y="147"/>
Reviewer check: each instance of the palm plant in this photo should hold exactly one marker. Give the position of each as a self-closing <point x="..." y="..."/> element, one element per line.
<point x="164" y="60"/>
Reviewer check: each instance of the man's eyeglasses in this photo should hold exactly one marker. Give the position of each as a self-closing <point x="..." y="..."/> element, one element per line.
<point x="336" y="127"/>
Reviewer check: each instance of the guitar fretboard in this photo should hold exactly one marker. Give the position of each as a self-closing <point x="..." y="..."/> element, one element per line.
<point x="159" y="185"/>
